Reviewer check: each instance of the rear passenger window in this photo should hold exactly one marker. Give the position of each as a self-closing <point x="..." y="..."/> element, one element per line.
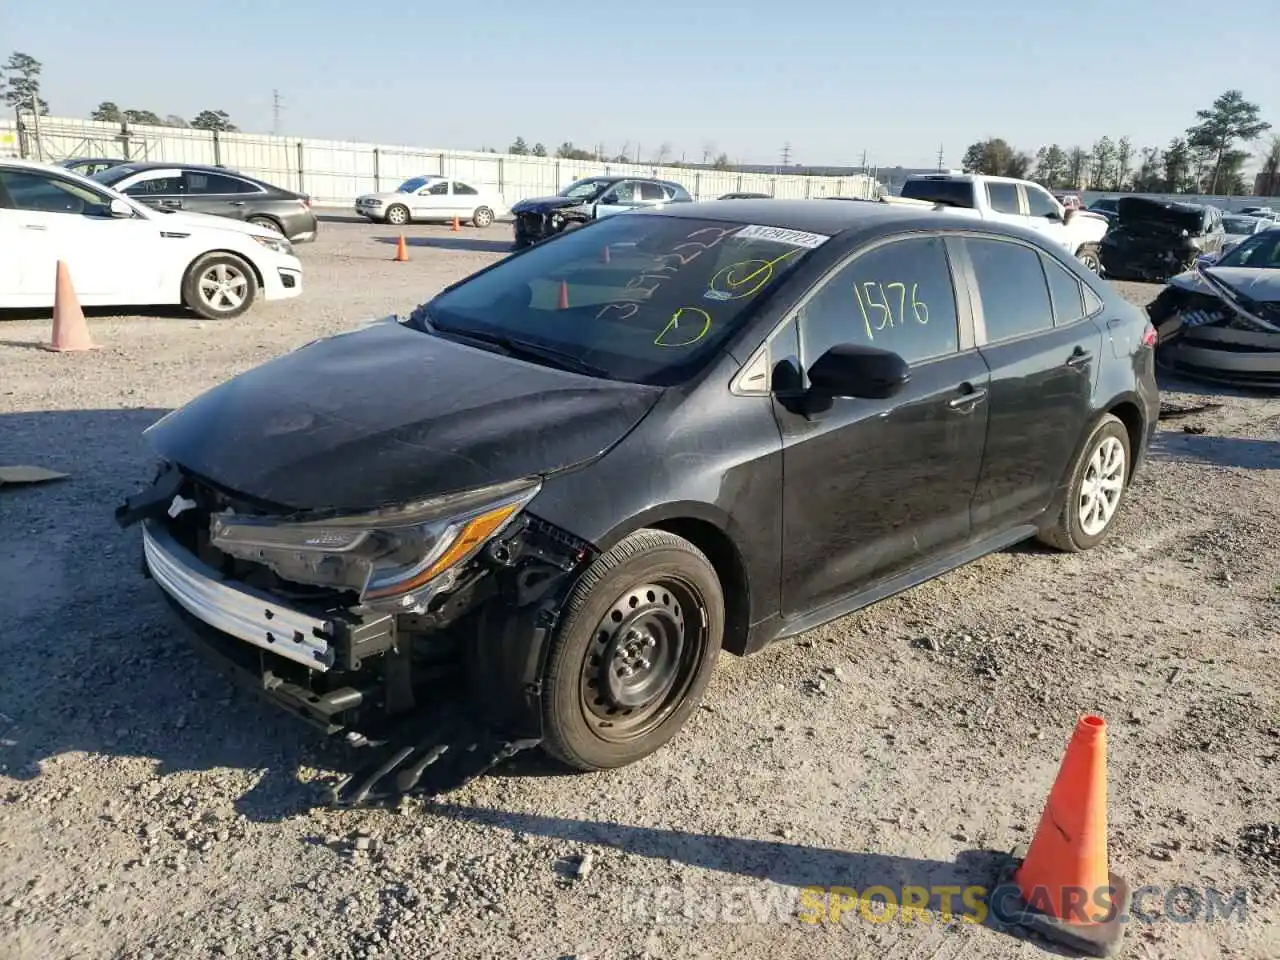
<point x="1012" y="288"/>
<point x="1003" y="197"/>
<point x="652" y="191"/>
<point x="897" y="297"/>
<point x="1066" y="291"/>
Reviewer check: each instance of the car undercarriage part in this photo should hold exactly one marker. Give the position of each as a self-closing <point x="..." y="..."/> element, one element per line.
<point x="437" y="694"/>
<point x="1217" y="333"/>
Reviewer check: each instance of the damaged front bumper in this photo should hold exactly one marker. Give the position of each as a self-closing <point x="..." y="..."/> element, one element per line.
<point x="461" y="674"/>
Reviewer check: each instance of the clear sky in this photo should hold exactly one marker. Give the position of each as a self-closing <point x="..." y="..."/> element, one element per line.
<point x="831" y="77"/>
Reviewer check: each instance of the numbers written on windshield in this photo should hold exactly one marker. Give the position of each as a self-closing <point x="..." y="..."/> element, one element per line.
<point x="662" y="268"/>
<point x="885" y="306"/>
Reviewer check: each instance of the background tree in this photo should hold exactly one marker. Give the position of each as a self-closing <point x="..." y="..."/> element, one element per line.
<point x="214" y="120"/>
<point x="662" y="154"/>
<point x="173" y="120"/>
<point x="519" y="147"/>
<point x="23" y="89"/>
<point x="1230" y="120"/>
<point x="1178" y="172"/>
<point x="1077" y="167"/>
<point x="1102" y="164"/>
<point x="147" y="117"/>
<point x="1271" y="168"/>
<point x="1150" y="175"/>
<point x="539" y="150"/>
<point x="1124" y="160"/>
<point x="721" y="162"/>
<point x="1052" y="166"/>
<point x="107" y="112"/>
<point x="994" y="157"/>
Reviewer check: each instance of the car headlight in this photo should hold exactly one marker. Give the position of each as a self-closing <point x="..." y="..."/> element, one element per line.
<point x="276" y="244"/>
<point x="397" y="558"/>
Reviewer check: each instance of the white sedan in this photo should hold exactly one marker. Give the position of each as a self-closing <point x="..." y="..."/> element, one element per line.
<point x="123" y="253"/>
<point x="433" y="198"/>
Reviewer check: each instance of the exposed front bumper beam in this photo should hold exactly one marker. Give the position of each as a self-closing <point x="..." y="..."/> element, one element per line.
<point x="238" y="610"/>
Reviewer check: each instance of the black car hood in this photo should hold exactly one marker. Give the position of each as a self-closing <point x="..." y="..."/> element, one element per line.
<point x="387" y="415"/>
<point x="543" y="204"/>
<point x="1147" y="211"/>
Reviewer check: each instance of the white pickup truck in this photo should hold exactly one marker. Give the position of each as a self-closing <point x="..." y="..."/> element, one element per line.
<point x="1013" y="201"/>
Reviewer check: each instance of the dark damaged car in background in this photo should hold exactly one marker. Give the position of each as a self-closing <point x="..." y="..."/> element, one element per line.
<point x="1153" y="240"/>
<point x="590" y="199"/>
<point x="1220" y="321"/>
<point x="534" y="511"/>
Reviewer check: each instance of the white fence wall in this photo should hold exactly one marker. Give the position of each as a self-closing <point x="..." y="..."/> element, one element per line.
<point x="336" y="172"/>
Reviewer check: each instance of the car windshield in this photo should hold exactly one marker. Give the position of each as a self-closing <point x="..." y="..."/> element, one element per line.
<point x="1262" y="250"/>
<point x="413" y="185"/>
<point x="583" y="188"/>
<point x="1106" y="204"/>
<point x="1239" y="224"/>
<point x="643" y="298"/>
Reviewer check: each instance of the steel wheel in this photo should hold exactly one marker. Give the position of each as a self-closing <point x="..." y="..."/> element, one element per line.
<point x="223" y="288"/>
<point x="646" y="651"/>
<point x="398" y="215"/>
<point x="1102" y="485"/>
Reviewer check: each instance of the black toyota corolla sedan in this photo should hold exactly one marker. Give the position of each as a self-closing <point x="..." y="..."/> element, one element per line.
<point x="536" y="509"/>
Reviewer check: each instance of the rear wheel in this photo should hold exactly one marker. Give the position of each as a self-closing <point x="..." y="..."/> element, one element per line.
<point x="1099" y="481"/>
<point x="267" y="223"/>
<point x="483" y="217"/>
<point x="634" y="653"/>
<point x="219" y="286"/>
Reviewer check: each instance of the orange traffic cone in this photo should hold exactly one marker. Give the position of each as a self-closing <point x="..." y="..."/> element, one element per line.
<point x="402" y="251"/>
<point x="456" y="225"/>
<point x="564" y="295"/>
<point x="1067" y="890"/>
<point x="70" y="332"/>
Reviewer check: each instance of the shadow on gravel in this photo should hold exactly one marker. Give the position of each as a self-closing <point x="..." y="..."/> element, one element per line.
<point x="93" y="660"/>
<point x="1217" y="451"/>
<point x="452" y="243"/>
<point x="785" y="864"/>
<point x="160" y="311"/>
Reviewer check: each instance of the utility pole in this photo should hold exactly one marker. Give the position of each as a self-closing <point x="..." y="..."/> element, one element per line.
<point x="864" y="161"/>
<point x="276" y="104"/>
<point x="786" y="154"/>
<point x="939" y="158"/>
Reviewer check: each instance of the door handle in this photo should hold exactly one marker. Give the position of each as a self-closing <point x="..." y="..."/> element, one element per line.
<point x="35" y="226"/>
<point x="1114" y="322"/>
<point x="236" y="203"/>
<point x="971" y="397"/>
<point x="1079" y="357"/>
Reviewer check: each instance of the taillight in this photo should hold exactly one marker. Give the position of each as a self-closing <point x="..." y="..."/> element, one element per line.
<point x="1148" y="336"/>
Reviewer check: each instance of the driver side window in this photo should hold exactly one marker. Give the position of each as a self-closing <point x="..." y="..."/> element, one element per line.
<point x="44" y="194"/>
<point x="438" y="189"/>
<point x="1040" y="204"/>
<point x="897" y="297"/>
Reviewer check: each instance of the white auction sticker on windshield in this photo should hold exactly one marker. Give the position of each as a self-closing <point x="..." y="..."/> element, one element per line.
<point x="796" y="238"/>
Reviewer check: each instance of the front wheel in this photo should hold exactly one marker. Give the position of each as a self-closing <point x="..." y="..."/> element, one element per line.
<point x="219" y="286"/>
<point x="1099" y="481"/>
<point x="1088" y="256"/>
<point x="634" y="653"/>
<point x="397" y="215"/>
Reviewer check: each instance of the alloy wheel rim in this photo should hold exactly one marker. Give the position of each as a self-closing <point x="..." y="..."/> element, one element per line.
<point x="484" y="218"/>
<point x="642" y="659"/>
<point x="223" y="287"/>
<point x="396" y="215"/>
<point x="1101" y="487"/>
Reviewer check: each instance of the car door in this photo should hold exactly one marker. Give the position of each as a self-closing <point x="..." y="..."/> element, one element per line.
<point x="873" y="487"/>
<point x="432" y="202"/>
<point x="1045" y="215"/>
<point x="218" y="194"/>
<point x="1043" y="351"/>
<point x="621" y="197"/>
<point x="163" y="189"/>
<point x="1004" y="203"/>
<point x="650" y="194"/>
<point x="464" y="199"/>
<point x="111" y="259"/>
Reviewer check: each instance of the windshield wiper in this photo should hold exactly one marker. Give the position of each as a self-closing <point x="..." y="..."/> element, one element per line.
<point x="531" y="351"/>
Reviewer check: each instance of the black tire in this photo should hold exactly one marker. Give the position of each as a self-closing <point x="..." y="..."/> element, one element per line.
<point x="1068" y="531"/>
<point x="269" y="223"/>
<point x="214" y="268"/>
<point x="483" y="217"/>
<point x="674" y="613"/>
<point x="1088" y="255"/>
<point x="397" y="214"/>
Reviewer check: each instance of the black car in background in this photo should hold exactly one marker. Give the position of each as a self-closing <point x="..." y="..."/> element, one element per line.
<point x="1153" y="240"/>
<point x="218" y="191"/>
<point x="556" y="491"/>
<point x="88" y="166"/>
<point x="590" y="199"/>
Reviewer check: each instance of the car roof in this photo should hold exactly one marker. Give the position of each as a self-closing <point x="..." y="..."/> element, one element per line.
<point x="179" y="165"/>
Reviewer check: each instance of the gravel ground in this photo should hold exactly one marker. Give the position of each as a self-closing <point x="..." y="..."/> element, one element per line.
<point x="147" y="811"/>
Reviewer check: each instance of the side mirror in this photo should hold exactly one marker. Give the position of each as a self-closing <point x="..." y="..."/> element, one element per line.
<point x="851" y="370"/>
<point x="609" y="200"/>
<point x="120" y="209"/>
